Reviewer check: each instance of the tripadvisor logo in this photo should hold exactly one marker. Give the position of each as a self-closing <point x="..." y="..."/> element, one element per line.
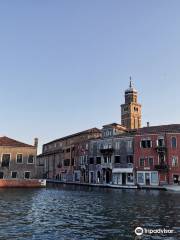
<point x="139" y="231"/>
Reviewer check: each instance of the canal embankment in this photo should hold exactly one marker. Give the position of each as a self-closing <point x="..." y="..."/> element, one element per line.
<point x="165" y="187"/>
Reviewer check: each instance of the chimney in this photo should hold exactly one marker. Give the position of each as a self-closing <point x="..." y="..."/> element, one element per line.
<point x="148" y="124"/>
<point x="36" y="142"/>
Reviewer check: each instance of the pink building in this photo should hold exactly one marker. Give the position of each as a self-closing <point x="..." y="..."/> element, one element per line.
<point x="157" y="155"/>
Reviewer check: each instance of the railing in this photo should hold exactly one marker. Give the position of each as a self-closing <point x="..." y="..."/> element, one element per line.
<point x="161" y="149"/>
<point x="83" y="166"/>
<point x="161" y="167"/>
<point x="123" y="165"/>
<point x="106" y="150"/>
<point x="107" y="165"/>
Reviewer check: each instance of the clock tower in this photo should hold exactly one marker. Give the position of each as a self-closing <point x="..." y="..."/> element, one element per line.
<point x="131" y="109"/>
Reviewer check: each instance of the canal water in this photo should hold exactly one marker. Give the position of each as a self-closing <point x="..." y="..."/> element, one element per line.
<point x="76" y="212"/>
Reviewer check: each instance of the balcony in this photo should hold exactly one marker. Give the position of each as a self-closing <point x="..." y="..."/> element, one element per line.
<point x="161" y="167"/>
<point x="83" y="166"/>
<point x="123" y="168"/>
<point x="106" y="151"/>
<point x="123" y="165"/>
<point x="107" y="165"/>
<point x="161" y="149"/>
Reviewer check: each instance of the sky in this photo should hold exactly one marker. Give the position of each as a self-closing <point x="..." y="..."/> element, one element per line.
<point x="64" y="65"/>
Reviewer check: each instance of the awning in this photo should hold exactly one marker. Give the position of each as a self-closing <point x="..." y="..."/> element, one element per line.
<point x="122" y="170"/>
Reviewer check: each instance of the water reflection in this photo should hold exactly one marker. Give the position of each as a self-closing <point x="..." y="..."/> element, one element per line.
<point x="76" y="212"/>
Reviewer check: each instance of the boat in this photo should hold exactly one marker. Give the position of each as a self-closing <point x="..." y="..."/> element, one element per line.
<point x="22" y="183"/>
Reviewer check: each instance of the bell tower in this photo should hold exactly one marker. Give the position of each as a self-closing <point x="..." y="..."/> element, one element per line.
<point x="131" y="109"/>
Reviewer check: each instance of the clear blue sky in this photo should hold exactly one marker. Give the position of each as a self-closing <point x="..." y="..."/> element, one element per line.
<point x="64" y="65"/>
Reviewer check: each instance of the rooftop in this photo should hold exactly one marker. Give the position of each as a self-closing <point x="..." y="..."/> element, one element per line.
<point x="170" y="128"/>
<point x="116" y="126"/>
<point x="92" y="130"/>
<point x="9" y="142"/>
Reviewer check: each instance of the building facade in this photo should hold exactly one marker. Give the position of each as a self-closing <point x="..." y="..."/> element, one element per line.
<point x="118" y="154"/>
<point x="157" y="154"/>
<point x="65" y="158"/>
<point x="111" y="157"/>
<point x="17" y="159"/>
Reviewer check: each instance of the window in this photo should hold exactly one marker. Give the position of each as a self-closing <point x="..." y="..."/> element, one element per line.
<point x="129" y="144"/>
<point x="91" y="160"/>
<point x="99" y="146"/>
<point x="174" y="161"/>
<point x="86" y="161"/>
<point x="160" y="142"/>
<point x="154" y="178"/>
<point x="5" y="160"/>
<point x="1" y="175"/>
<point x="141" y="162"/>
<point x="27" y="175"/>
<point x="146" y="143"/>
<point x="117" y="159"/>
<point x="150" y="161"/>
<point x="130" y="159"/>
<point x="14" y="174"/>
<point x="19" y="158"/>
<point x="161" y="159"/>
<point x="66" y="162"/>
<point x="109" y="132"/>
<point x="135" y="109"/>
<point x="77" y="176"/>
<point x="140" y="178"/>
<point x="125" y="109"/>
<point x="109" y="145"/>
<point x="107" y="159"/>
<point x="68" y="150"/>
<point x="174" y="142"/>
<point x="117" y="145"/>
<point x="130" y="177"/>
<point x="82" y="160"/>
<point x="31" y="159"/>
<point x="98" y="160"/>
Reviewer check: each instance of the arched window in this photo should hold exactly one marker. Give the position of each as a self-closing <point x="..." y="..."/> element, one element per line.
<point x="174" y="142"/>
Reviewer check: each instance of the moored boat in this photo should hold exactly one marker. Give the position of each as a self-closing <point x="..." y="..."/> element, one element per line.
<point x="24" y="183"/>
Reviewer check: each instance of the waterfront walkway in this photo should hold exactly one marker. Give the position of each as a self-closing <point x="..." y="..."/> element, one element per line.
<point x="92" y="184"/>
<point x="165" y="187"/>
<point x="175" y="188"/>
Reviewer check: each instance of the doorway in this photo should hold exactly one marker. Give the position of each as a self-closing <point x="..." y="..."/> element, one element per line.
<point x="91" y="177"/>
<point x="107" y="177"/>
<point x="175" y="179"/>
<point x="147" y="178"/>
<point x="98" y="176"/>
<point x="123" y="178"/>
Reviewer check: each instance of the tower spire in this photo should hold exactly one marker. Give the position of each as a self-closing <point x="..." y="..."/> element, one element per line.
<point x="130" y="82"/>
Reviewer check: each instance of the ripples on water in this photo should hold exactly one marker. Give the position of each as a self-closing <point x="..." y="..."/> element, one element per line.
<point x="74" y="212"/>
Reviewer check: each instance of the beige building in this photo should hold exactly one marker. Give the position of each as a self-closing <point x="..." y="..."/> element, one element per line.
<point x="66" y="158"/>
<point x="17" y="159"/>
